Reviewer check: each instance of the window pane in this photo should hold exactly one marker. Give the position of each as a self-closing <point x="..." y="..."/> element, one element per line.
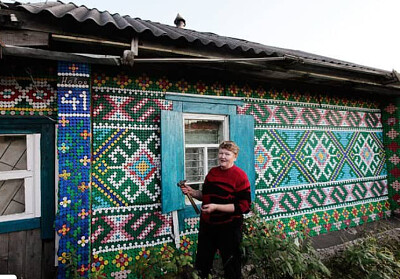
<point x="12" y="152"/>
<point x="212" y="157"/>
<point x="203" y="131"/>
<point x="12" y="196"/>
<point x="194" y="164"/>
<point x="197" y="186"/>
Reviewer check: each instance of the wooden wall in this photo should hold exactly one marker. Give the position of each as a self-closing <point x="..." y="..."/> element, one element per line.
<point x="26" y="255"/>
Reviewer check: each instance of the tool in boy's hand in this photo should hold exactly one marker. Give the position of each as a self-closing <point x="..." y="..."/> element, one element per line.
<point x="182" y="184"/>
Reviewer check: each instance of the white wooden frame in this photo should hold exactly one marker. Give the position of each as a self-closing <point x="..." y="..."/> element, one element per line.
<point x="31" y="178"/>
<point x="225" y="135"/>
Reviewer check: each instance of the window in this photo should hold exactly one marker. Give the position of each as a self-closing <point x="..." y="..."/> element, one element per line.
<point x="203" y="134"/>
<point x="27" y="175"/>
<point x="19" y="177"/>
<point x="190" y="135"/>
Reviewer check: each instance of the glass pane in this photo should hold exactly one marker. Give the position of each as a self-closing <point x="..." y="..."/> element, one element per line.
<point x="199" y="131"/>
<point x="12" y="196"/>
<point x="212" y="157"/>
<point x="194" y="168"/>
<point x="197" y="186"/>
<point x="12" y="152"/>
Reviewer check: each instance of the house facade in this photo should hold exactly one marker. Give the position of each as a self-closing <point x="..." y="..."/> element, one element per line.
<point x="318" y="137"/>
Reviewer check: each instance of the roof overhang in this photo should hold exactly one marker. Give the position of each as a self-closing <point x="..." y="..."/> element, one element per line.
<point x="43" y="33"/>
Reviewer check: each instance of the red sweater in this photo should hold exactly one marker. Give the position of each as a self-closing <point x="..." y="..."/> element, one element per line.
<point x="225" y="187"/>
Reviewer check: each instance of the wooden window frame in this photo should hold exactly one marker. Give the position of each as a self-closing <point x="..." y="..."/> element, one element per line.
<point x="44" y="213"/>
<point x="225" y="135"/>
<point x="31" y="177"/>
<point x="241" y="130"/>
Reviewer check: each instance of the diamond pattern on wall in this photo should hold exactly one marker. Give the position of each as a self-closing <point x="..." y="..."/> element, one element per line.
<point x="126" y="178"/>
<point x="298" y="157"/>
<point x="126" y="169"/>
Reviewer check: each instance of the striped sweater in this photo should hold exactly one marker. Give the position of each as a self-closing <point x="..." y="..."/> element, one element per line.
<point x="225" y="187"/>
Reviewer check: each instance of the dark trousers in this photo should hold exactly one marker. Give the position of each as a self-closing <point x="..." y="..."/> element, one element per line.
<point x="225" y="238"/>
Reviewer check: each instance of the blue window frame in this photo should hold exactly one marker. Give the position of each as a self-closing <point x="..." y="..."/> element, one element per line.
<point x="46" y="129"/>
<point x="241" y="130"/>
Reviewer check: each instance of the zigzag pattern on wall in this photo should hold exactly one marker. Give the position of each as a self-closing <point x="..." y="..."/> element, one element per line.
<point x="314" y="197"/>
<point x="133" y="109"/>
<point x="281" y="113"/>
<point x="129" y="227"/>
<point x="27" y="96"/>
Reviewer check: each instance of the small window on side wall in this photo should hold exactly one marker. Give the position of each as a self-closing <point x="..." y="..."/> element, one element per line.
<point x="19" y="176"/>
<point x="27" y="175"/>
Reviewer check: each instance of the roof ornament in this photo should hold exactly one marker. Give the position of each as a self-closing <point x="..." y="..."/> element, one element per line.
<point x="179" y="21"/>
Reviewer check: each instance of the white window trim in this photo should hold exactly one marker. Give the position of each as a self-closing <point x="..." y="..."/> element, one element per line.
<point x="31" y="178"/>
<point x="225" y="135"/>
<point x="224" y="118"/>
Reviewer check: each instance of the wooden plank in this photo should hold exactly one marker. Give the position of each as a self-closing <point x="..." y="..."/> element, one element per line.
<point x="3" y="253"/>
<point x="90" y="40"/>
<point x="172" y="160"/>
<point x="205" y="108"/>
<point x="7" y="193"/>
<point x="48" y="260"/>
<point x="14" y="151"/>
<point x="20" y="195"/>
<point x="241" y="129"/>
<point x="16" y="257"/>
<point x="5" y="167"/>
<point x="33" y="255"/>
<point x="15" y="174"/>
<point x="47" y="180"/>
<point x="21" y="164"/>
<point x="19" y="225"/>
<point x="14" y="208"/>
<point x="24" y="38"/>
<point x="60" y="56"/>
<point x="12" y="125"/>
<point x="3" y="145"/>
<point x="222" y="100"/>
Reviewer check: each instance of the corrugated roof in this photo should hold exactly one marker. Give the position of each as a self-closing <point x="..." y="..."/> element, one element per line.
<point x="82" y="14"/>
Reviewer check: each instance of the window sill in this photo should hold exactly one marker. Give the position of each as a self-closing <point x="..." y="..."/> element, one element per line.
<point x="19" y="225"/>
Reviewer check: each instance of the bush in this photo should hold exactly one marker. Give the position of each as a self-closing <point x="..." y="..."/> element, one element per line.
<point x="165" y="263"/>
<point x="268" y="253"/>
<point x="369" y="258"/>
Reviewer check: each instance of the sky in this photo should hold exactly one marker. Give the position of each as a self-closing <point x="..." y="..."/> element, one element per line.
<point x="365" y="32"/>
